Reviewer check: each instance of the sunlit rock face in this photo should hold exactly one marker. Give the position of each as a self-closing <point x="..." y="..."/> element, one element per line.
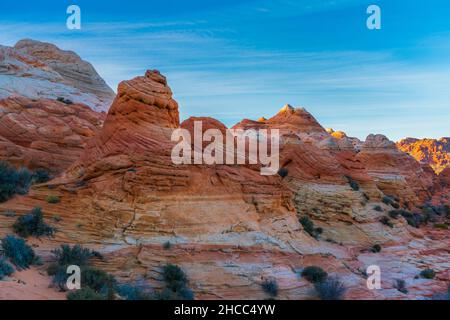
<point x="434" y="152"/>
<point x="38" y="70"/>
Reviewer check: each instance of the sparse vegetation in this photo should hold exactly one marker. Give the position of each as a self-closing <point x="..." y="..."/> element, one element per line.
<point x="64" y="100"/>
<point x="176" y="284"/>
<point x="85" y="294"/>
<point x="330" y="289"/>
<point x="386" y="221"/>
<point x="378" y="208"/>
<point x="167" y="245"/>
<point x="391" y="201"/>
<point x="41" y="176"/>
<point x="309" y="228"/>
<point x="32" y="224"/>
<point x="138" y="291"/>
<point x="13" y="181"/>
<point x="314" y="274"/>
<point x="428" y="274"/>
<point x="376" y="248"/>
<point x="442" y="226"/>
<point x="5" y="268"/>
<point x="52" y="199"/>
<point x="17" y="181"/>
<point x="270" y="286"/>
<point x="283" y="172"/>
<point x="400" y="285"/>
<point x="65" y="256"/>
<point x="19" y="253"/>
<point x="353" y="184"/>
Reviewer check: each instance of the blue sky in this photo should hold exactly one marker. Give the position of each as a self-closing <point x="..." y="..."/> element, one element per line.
<point x="245" y="59"/>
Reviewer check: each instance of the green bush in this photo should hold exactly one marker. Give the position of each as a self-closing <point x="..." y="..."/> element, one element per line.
<point x="353" y="184"/>
<point x="283" y="172"/>
<point x="270" y="286"/>
<point x="52" y="199"/>
<point x="391" y="201"/>
<point x="85" y="294"/>
<point x="66" y="256"/>
<point x="13" y="181"/>
<point x="428" y="274"/>
<point x="330" y="289"/>
<point x="400" y="285"/>
<point x="167" y="245"/>
<point x="20" y="254"/>
<point x="134" y="292"/>
<point x="309" y="228"/>
<point x="386" y="221"/>
<point x="376" y="248"/>
<point x="5" y="268"/>
<point x="378" y="208"/>
<point x="64" y="100"/>
<point x="314" y="274"/>
<point x="32" y="224"/>
<point x="41" y="176"/>
<point x="17" y="181"/>
<point x="176" y="284"/>
<point x="443" y="226"/>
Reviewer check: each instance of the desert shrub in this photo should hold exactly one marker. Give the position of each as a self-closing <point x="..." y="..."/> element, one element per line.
<point x="443" y="226"/>
<point x="85" y="294"/>
<point x="52" y="199"/>
<point x="314" y="274"/>
<point x="330" y="289"/>
<point x="270" y="286"/>
<point x="378" y="208"/>
<point x="20" y="254"/>
<point x="32" y="224"/>
<point x="176" y="284"/>
<point x="5" y="268"/>
<point x="308" y="226"/>
<point x="283" y="172"/>
<point x="134" y="292"/>
<point x="13" y="181"/>
<point x="400" y="285"/>
<point x="386" y="221"/>
<point x="64" y="100"/>
<point x="99" y="281"/>
<point x="66" y="256"/>
<point x="167" y="245"/>
<point x="76" y="255"/>
<point x="428" y="274"/>
<point x="391" y="201"/>
<point x="41" y="176"/>
<point x="394" y="214"/>
<point x="376" y="248"/>
<point x="353" y="184"/>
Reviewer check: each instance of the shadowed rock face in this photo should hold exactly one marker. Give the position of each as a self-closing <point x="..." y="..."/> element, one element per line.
<point x="230" y="227"/>
<point x="433" y="152"/>
<point x="39" y="70"/>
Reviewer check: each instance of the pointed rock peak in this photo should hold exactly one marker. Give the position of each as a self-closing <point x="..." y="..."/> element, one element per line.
<point x="262" y="119"/>
<point x="286" y="108"/>
<point x="155" y="75"/>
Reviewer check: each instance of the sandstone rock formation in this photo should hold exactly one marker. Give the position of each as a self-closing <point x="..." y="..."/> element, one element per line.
<point x="433" y="152"/>
<point x="38" y="70"/>
<point x="230" y="227"/>
<point x="45" y="133"/>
